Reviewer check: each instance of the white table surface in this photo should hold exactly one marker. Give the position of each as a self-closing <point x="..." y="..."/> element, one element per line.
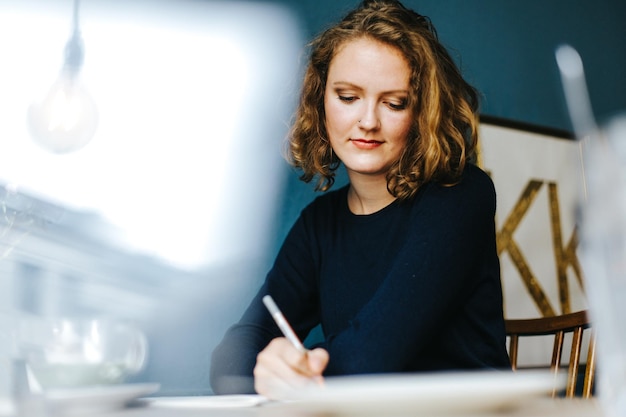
<point x="544" y="407"/>
<point x="467" y="395"/>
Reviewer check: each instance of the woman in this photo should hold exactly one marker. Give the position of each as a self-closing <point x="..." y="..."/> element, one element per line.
<point x="400" y="266"/>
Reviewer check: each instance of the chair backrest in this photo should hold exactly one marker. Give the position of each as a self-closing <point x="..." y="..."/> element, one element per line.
<point x="558" y="326"/>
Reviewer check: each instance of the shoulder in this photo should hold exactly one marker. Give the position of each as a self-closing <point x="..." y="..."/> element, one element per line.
<point x="477" y="180"/>
<point x="472" y="180"/>
<point x="316" y="221"/>
<point x="330" y="201"/>
<point x="321" y="211"/>
<point x="474" y="190"/>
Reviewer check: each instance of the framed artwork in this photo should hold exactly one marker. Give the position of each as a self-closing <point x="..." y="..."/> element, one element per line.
<point x="538" y="179"/>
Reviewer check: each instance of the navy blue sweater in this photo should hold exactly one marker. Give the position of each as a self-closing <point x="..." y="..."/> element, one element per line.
<point x="412" y="287"/>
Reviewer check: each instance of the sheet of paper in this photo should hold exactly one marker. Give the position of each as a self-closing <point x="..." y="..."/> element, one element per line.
<point x="209" y="401"/>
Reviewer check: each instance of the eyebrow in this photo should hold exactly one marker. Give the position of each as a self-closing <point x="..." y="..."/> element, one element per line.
<point x="351" y="85"/>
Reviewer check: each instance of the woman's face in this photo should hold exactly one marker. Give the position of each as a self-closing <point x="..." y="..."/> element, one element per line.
<point x="366" y="102"/>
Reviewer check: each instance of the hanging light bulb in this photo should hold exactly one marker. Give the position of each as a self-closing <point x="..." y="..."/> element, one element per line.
<point x="65" y="119"/>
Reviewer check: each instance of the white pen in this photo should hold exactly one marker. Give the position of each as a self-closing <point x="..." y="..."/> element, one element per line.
<point x="282" y="323"/>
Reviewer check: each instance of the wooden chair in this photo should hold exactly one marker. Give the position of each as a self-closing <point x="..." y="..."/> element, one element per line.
<point x="558" y="326"/>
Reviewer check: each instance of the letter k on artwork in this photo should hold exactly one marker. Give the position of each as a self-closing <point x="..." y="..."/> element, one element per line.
<point x="565" y="256"/>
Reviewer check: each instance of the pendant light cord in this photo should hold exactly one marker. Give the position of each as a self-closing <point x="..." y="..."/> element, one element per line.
<point x="74" y="53"/>
<point x="75" y="21"/>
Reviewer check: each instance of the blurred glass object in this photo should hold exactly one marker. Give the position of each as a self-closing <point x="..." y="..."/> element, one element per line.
<point x="8" y="378"/>
<point x="16" y="219"/>
<point x="193" y="102"/>
<point x="603" y="247"/>
<point x="603" y="228"/>
<point x="80" y="352"/>
<point x="166" y="218"/>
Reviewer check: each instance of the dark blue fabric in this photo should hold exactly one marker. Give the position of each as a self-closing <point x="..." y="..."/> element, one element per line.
<point x="413" y="287"/>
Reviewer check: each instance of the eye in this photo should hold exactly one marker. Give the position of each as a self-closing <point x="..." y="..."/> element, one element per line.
<point x="347" y="99"/>
<point x="397" y="105"/>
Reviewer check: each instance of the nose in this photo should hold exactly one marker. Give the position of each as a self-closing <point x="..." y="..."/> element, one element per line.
<point x="369" y="119"/>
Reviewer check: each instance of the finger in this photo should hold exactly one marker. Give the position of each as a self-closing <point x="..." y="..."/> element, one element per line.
<point x="317" y="360"/>
<point x="272" y="387"/>
<point x="279" y="370"/>
<point x="276" y="379"/>
<point x="272" y="363"/>
<point x="281" y="350"/>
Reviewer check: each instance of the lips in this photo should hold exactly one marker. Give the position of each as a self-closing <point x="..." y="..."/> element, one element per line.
<point x="366" y="144"/>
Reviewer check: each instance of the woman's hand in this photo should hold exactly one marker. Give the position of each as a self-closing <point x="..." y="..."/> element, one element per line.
<point x="281" y="368"/>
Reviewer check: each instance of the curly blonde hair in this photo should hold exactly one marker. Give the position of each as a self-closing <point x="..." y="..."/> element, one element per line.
<point x="444" y="133"/>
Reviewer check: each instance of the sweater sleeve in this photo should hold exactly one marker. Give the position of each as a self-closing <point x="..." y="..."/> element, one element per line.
<point x="451" y="236"/>
<point x="293" y="285"/>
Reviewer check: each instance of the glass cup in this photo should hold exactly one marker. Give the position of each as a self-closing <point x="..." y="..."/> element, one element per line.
<point x="70" y="353"/>
<point x="603" y="256"/>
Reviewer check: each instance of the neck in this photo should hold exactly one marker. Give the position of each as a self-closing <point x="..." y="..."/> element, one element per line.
<point x="367" y="196"/>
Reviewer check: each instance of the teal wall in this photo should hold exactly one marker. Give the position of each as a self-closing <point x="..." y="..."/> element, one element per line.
<point x="505" y="48"/>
